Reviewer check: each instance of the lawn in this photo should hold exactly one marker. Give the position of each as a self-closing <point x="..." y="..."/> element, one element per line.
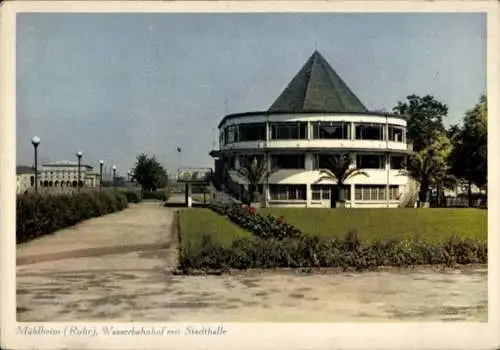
<point x="195" y="222"/>
<point x="433" y="225"/>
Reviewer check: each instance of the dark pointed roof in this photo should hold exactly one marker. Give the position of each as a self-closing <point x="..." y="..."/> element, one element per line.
<point x="317" y="88"/>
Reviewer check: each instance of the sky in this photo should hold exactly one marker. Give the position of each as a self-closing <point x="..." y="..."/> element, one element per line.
<point x="116" y="85"/>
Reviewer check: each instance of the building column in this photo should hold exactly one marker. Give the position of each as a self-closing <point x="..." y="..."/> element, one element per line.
<point x="353" y="191"/>
<point x="309" y="163"/>
<point x="388" y="172"/>
<point x="353" y="131"/>
<point x="188" y="195"/>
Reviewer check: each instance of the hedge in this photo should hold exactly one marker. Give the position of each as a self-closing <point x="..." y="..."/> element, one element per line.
<point x="41" y="214"/>
<point x="316" y="252"/>
<point x="276" y="244"/>
<point x="161" y="195"/>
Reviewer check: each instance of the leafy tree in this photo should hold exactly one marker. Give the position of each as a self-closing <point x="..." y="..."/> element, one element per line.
<point x="430" y="168"/>
<point x="149" y="173"/>
<point x="469" y="156"/>
<point x="425" y="119"/>
<point x="339" y="169"/>
<point x="255" y="172"/>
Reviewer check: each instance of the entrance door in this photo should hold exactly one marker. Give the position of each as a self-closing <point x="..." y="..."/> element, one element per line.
<point x="333" y="196"/>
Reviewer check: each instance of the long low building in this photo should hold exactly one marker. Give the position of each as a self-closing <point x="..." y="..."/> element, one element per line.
<point x="317" y="116"/>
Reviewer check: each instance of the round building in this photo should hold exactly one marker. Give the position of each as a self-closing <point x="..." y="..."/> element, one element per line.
<point x="317" y="116"/>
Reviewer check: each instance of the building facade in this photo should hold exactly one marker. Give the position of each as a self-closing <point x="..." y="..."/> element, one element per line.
<point x="65" y="174"/>
<point x="317" y="116"/>
<point x="25" y="179"/>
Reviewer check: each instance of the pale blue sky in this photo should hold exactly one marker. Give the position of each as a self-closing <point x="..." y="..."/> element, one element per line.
<point x="115" y="85"/>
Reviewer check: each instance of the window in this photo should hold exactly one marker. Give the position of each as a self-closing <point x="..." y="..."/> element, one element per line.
<point x="288" y="192"/>
<point x="324" y="161"/>
<point x="394" y="192"/>
<point x="288" y="131"/>
<point x="396" y="133"/>
<point x="331" y="130"/>
<point x="369" y="132"/>
<point x="250" y="158"/>
<point x="397" y="162"/>
<point x="375" y="192"/>
<point x="323" y="192"/>
<point x="369" y="161"/>
<point x="320" y="192"/>
<point x="288" y="161"/>
<point x="232" y="134"/>
<point x="252" y="132"/>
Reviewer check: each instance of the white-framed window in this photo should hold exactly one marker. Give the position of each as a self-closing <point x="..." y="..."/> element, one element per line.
<point x="369" y="131"/>
<point x="375" y="192"/>
<point x="287" y="192"/>
<point x="289" y="131"/>
<point x="396" y="133"/>
<point x="370" y="161"/>
<point x="331" y="130"/>
<point x="288" y="161"/>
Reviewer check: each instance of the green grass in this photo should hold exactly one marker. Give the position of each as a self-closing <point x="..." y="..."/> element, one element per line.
<point x="195" y="222"/>
<point x="433" y="225"/>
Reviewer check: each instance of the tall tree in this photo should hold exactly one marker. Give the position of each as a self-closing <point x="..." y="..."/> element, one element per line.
<point x="469" y="157"/>
<point x="339" y="168"/>
<point x="430" y="167"/>
<point x="149" y="173"/>
<point x="255" y="172"/>
<point x="425" y="119"/>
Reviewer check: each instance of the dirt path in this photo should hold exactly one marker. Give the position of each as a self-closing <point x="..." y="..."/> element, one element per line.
<point x="135" y="284"/>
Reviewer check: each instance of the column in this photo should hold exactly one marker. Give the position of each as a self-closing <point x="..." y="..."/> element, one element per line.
<point x="388" y="171"/>
<point x="353" y="131"/>
<point x="189" y="197"/>
<point x="353" y="193"/>
<point x="309" y="160"/>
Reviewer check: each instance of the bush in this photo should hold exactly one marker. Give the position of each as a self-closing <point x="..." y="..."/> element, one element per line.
<point x="40" y="214"/>
<point x="133" y="196"/>
<point x="261" y="226"/>
<point x="314" y="252"/>
<point x="161" y="195"/>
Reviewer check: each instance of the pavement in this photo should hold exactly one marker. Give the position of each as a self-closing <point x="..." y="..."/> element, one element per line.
<point x="119" y="268"/>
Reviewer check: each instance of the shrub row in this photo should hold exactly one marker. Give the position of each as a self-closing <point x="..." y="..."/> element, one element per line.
<point x="161" y="195"/>
<point x="42" y="214"/>
<point x="133" y="196"/>
<point x="315" y="252"/>
<point x="261" y="226"/>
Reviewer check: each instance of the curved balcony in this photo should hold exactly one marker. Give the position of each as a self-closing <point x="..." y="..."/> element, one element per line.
<point x="318" y="145"/>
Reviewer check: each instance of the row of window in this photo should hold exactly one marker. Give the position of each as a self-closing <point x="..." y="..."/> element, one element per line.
<point x="321" y="161"/>
<point x="320" y="130"/>
<point x="324" y="192"/>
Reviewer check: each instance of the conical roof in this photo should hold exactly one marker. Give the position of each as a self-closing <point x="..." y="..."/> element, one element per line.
<point x="317" y="88"/>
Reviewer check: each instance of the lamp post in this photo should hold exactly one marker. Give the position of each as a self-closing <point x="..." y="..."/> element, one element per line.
<point x="101" y="162"/>
<point x="79" y="156"/>
<point x="36" y="141"/>
<point x="114" y="175"/>
<point x="128" y="176"/>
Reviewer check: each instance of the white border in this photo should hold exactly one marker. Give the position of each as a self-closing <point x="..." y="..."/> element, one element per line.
<point x="261" y="335"/>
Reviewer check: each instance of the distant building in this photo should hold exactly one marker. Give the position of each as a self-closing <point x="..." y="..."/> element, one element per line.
<point x="25" y="178"/>
<point x="316" y="116"/>
<point x="65" y="174"/>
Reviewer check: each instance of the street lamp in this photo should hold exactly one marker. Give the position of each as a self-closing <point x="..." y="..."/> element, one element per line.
<point x="36" y="141"/>
<point x="114" y="175"/>
<point x="128" y="176"/>
<point x="79" y="156"/>
<point x="101" y="162"/>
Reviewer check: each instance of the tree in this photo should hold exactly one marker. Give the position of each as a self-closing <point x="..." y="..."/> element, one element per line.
<point x="469" y="157"/>
<point x="425" y="119"/>
<point x="149" y="173"/>
<point x="255" y="172"/>
<point x="339" y="169"/>
<point x="430" y="167"/>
